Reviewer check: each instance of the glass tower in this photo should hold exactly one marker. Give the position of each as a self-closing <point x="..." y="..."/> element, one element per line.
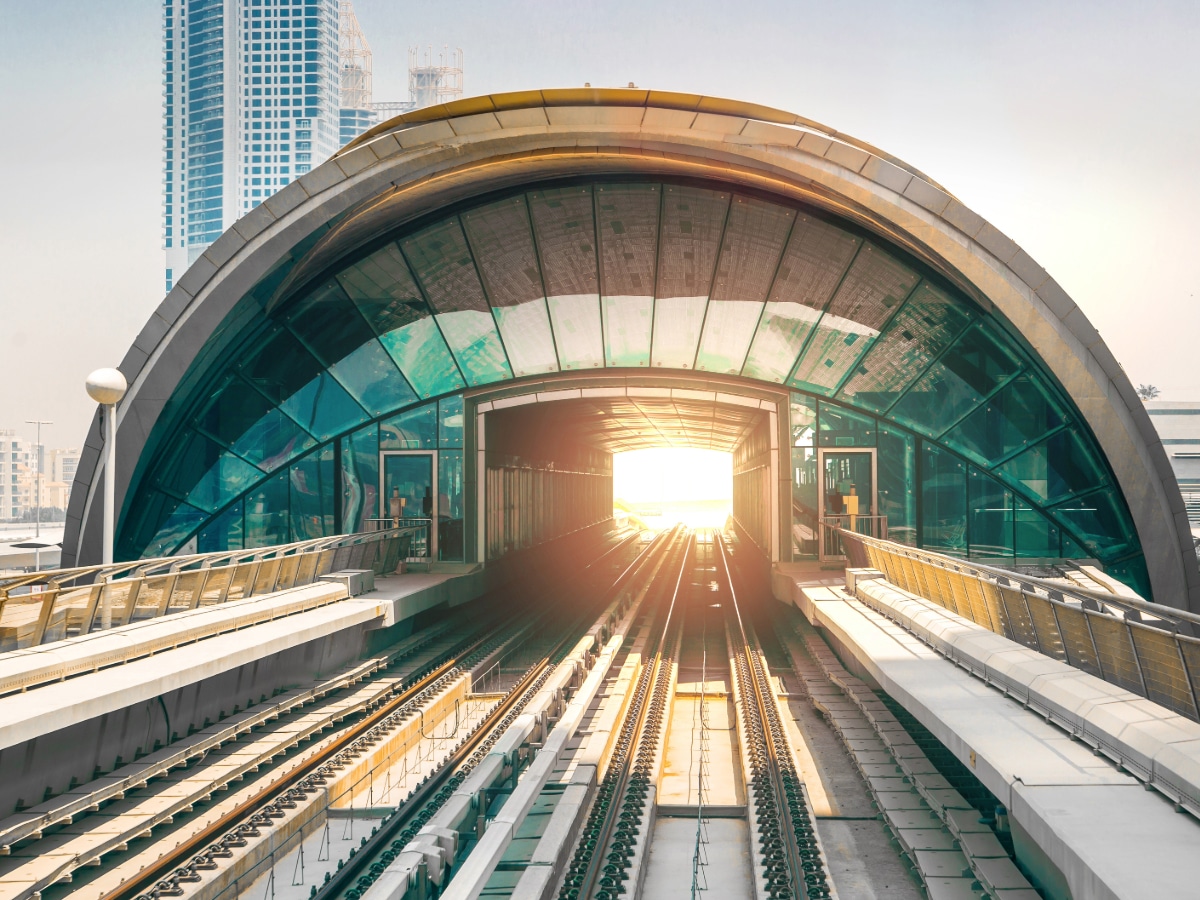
<point x="251" y="101"/>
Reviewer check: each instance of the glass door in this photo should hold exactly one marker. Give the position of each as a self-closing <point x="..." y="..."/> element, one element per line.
<point x="408" y="493"/>
<point x="846" y="496"/>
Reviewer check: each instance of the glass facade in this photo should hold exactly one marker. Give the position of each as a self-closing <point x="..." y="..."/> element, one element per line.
<point x="978" y="452"/>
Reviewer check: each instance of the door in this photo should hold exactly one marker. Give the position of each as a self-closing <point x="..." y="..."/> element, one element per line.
<point x="847" y="493"/>
<point x="410" y="476"/>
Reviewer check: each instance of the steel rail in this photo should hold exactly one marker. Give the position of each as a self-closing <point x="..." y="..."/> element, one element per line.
<point x="784" y="820"/>
<point x="597" y="867"/>
<point x="383" y="846"/>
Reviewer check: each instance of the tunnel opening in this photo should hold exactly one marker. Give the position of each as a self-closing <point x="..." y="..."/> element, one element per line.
<point x="658" y="487"/>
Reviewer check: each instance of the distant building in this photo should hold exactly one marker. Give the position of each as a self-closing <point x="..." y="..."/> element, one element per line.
<point x="63" y="464"/>
<point x="17" y="458"/>
<point x="1178" y="424"/>
<point x="250" y="102"/>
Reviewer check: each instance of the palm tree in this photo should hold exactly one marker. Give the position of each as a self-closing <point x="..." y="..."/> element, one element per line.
<point x="1147" y="391"/>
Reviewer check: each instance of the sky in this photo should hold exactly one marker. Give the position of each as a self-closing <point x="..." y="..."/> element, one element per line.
<point x="1073" y="127"/>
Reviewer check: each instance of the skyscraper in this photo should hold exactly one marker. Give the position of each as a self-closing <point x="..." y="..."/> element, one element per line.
<point x="251" y="101"/>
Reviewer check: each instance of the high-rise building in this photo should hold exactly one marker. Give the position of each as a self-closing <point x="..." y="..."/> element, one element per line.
<point x="251" y="101"/>
<point x="17" y="460"/>
<point x="63" y="463"/>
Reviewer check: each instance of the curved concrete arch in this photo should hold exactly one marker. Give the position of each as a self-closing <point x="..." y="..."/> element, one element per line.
<point x="417" y="163"/>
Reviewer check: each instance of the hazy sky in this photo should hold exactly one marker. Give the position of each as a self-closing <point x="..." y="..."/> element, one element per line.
<point x="1074" y="127"/>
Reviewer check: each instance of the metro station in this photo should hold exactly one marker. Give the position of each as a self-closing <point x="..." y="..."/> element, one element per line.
<point x="366" y="626"/>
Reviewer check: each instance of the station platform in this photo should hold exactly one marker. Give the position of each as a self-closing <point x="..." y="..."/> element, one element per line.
<point x="1083" y="825"/>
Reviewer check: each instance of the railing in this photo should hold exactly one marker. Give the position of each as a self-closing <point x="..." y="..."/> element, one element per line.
<point x="51" y="605"/>
<point x="832" y="528"/>
<point x="420" y="548"/>
<point x="1146" y="648"/>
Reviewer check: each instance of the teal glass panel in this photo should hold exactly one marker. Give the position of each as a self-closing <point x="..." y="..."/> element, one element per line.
<point x="1060" y="466"/>
<point x="450" y="421"/>
<point x="627" y="326"/>
<point x="693" y="220"/>
<point x="873" y="289"/>
<point x="179" y="524"/>
<point x="445" y="269"/>
<point x="450" y="505"/>
<point x="224" y="479"/>
<point x="1099" y="521"/>
<point x="422" y="355"/>
<point x="502" y="244"/>
<point x="804" y="476"/>
<point x="1071" y="549"/>
<point x="360" y="478"/>
<point x="677" y="324"/>
<point x="565" y="234"/>
<point x="816" y="257"/>
<point x="291" y="377"/>
<point x="990" y="523"/>
<point x="971" y="369"/>
<point x="943" y="486"/>
<point x="312" y="495"/>
<point x="274" y="439"/>
<point x="1021" y="414"/>
<point x="371" y="377"/>
<point x="528" y="338"/>
<point x="897" y="465"/>
<point x="476" y="345"/>
<point x="415" y="429"/>
<point x="627" y="217"/>
<point x="840" y="427"/>
<point x="578" y="330"/>
<point x="223" y="533"/>
<point x="924" y="327"/>
<point x="235" y="411"/>
<point x="267" y="513"/>
<point x="1132" y="572"/>
<point x="750" y="252"/>
<point x="1036" y="536"/>
<point x="139" y="524"/>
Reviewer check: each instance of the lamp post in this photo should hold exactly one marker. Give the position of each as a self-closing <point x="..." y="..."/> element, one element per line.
<point x="107" y="387"/>
<point x="37" y="481"/>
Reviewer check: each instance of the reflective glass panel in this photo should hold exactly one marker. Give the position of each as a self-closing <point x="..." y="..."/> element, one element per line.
<point x="413" y="429"/>
<point x="1062" y="465"/>
<point x="564" y="229"/>
<point x="423" y="356"/>
<point x="848" y="484"/>
<point x="267" y="513"/>
<point x="1019" y="415"/>
<point x="923" y="328"/>
<point x="816" y="257"/>
<point x="312" y="495"/>
<point x="360" y="478"/>
<point x="476" y="345"/>
<point x="180" y="523"/>
<point x="409" y="489"/>
<point x="991" y="520"/>
<point x="970" y="370"/>
<point x="841" y="427"/>
<point x="450" y="421"/>
<point x="627" y="218"/>
<point x="871" y="292"/>
<point x="208" y="474"/>
<point x="750" y="253"/>
<point x="528" y="339"/>
<point x="897" y="465"/>
<point x="1100" y="523"/>
<point x="450" y="505"/>
<point x="693" y="220"/>
<point x="1036" y="536"/>
<point x="943" y="501"/>
<point x="1133" y="573"/>
<point x="223" y="533"/>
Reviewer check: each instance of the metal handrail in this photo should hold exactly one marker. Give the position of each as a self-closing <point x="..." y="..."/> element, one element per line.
<point x="58" y="603"/>
<point x="1146" y="648"/>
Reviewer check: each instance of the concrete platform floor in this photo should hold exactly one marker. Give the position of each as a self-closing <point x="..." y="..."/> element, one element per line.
<point x="725" y="873"/>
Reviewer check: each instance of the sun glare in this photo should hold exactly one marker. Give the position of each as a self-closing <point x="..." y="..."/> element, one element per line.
<point x="662" y="486"/>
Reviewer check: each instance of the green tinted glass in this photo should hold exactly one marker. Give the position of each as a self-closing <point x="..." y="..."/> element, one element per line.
<point x="414" y="429"/>
<point x="450" y="505"/>
<point x="528" y="339"/>
<point x="943" y="501"/>
<point x="224" y="533"/>
<point x="804" y="475"/>
<point x="1036" y="536"/>
<point x="1019" y="415"/>
<point x="971" y="369"/>
<point x="181" y="522"/>
<point x="450" y="421"/>
<point x="897" y="465"/>
<point x="1060" y="466"/>
<point x="1099" y="522"/>
<point x="990" y="523"/>
<point x="476" y="345"/>
<point x="360" y="478"/>
<point x="578" y="332"/>
<point x="841" y="427"/>
<point x="923" y="328"/>
<point x="267" y="513"/>
<point x="423" y="357"/>
<point x="312" y="497"/>
<point x="627" y="326"/>
<point x="371" y="377"/>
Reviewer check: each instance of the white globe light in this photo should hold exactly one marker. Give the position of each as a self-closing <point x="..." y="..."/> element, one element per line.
<point x="106" y="386"/>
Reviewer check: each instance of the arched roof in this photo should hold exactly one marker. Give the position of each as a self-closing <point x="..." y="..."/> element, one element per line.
<point x="716" y="236"/>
